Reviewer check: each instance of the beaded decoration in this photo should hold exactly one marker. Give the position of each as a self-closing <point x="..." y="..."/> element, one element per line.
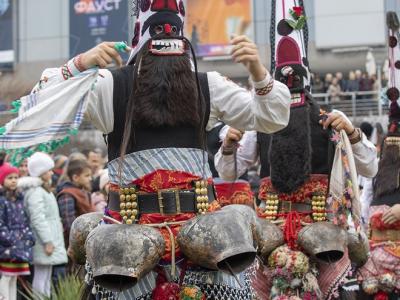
<point x="271" y="208"/>
<point x="319" y="207"/>
<point x="128" y="204"/>
<point x="202" y="196"/>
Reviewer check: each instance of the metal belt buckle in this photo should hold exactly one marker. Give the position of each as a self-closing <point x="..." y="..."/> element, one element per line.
<point x="161" y="199"/>
<point x="286" y="206"/>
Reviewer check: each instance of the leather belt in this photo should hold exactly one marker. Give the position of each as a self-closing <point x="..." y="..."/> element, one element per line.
<point x="288" y="206"/>
<point x="168" y="201"/>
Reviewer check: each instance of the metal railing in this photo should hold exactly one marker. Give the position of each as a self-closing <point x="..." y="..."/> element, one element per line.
<point x="355" y="104"/>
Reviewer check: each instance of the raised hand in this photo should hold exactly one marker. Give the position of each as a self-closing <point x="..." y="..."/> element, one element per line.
<point x="338" y="122"/>
<point x="246" y="52"/>
<point x="102" y="55"/>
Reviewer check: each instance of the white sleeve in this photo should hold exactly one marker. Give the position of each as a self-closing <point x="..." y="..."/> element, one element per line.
<point x="245" y="111"/>
<point x="246" y="156"/>
<point x="100" y="111"/>
<point x="365" y="157"/>
<point x="100" y="100"/>
<point x="366" y="197"/>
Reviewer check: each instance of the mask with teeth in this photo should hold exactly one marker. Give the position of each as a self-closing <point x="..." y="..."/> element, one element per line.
<point x="158" y="17"/>
<point x="167" y="47"/>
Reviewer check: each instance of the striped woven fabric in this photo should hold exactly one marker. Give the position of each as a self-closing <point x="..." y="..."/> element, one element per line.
<point x="14" y="269"/>
<point x="141" y="163"/>
<point x="332" y="275"/>
<point x="40" y="119"/>
<point x="260" y="281"/>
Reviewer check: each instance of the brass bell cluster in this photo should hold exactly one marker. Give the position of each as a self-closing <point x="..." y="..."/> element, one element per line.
<point x="202" y="196"/>
<point x="128" y="204"/>
<point x="319" y="207"/>
<point x="272" y="204"/>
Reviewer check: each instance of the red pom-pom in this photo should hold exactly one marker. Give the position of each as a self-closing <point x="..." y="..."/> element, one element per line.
<point x="166" y="291"/>
<point x="381" y="296"/>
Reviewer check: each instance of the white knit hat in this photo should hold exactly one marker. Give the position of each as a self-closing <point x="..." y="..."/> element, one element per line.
<point x="39" y="163"/>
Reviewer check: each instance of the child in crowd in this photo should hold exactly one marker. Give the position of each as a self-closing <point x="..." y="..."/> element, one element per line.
<point x="74" y="196"/>
<point x="99" y="198"/>
<point x="23" y="168"/>
<point x="42" y="208"/>
<point x="59" y="163"/>
<point x="64" y="177"/>
<point x="16" y="237"/>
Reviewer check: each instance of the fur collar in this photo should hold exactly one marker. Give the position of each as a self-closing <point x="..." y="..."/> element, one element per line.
<point x="26" y="183"/>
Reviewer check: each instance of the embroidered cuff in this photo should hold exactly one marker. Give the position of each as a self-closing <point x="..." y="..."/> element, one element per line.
<point x="265" y="86"/>
<point x="69" y="70"/>
<point x="66" y="72"/>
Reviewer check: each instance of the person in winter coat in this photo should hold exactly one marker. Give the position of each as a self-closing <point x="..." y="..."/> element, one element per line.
<point x="41" y="206"/>
<point x="16" y="237"/>
<point x="74" y="197"/>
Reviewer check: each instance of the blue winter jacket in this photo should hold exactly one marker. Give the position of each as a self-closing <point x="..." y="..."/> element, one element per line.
<point x="16" y="237"/>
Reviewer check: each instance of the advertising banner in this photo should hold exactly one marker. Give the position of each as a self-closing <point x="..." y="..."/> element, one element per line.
<point x="210" y="24"/>
<point x="96" y="21"/>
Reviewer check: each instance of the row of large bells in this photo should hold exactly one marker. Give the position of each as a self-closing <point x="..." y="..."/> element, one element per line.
<point x="226" y="240"/>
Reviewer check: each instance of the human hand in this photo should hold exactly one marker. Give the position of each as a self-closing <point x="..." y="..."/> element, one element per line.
<point x="102" y="55"/>
<point x="232" y="137"/>
<point x="48" y="249"/>
<point x="392" y="215"/>
<point x="245" y="51"/>
<point x="338" y="122"/>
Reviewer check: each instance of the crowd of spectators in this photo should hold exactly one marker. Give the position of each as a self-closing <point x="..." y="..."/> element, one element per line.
<point x="39" y="200"/>
<point x="336" y="84"/>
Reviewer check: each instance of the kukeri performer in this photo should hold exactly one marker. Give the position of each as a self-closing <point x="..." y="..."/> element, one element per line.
<point x="380" y="276"/>
<point x="308" y="185"/>
<point x="155" y="112"/>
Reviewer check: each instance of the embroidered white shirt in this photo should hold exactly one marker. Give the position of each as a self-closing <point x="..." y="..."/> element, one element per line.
<point x="229" y="103"/>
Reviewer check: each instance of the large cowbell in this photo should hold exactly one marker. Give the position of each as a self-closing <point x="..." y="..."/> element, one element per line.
<point x="120" y="255"/>
<point x="267" y="236"/>
<point x="80" y="229"/>
<point x="358" y="246"/>
<point x="324" y="241"/>
<point x="221" y="240"/>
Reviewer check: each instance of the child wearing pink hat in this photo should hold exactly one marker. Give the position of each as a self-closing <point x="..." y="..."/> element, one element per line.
<point x="16" y="237"/>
